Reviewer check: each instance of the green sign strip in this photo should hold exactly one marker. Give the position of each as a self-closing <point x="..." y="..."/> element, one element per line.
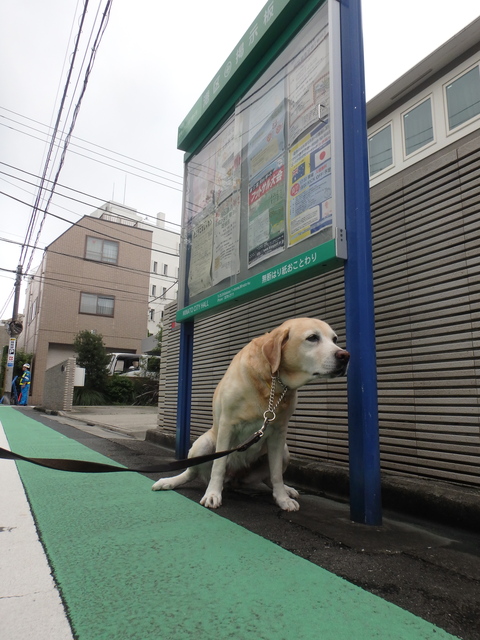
<point x="306" y="265"/>
<point x="258" y="41"/>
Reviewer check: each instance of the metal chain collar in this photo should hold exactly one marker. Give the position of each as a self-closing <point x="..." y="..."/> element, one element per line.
<point x="270" y="415"/>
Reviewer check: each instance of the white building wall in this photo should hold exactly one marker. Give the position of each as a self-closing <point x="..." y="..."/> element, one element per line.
<point x="443" y="137"/>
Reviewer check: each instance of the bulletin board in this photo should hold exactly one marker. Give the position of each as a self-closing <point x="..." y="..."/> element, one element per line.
<point x="264" y="193"/>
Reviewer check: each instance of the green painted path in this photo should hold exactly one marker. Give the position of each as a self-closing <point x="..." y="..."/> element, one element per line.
<point x="141" y="565"/>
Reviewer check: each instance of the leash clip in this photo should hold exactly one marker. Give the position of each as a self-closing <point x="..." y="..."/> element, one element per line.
<point x="252" y="440"/>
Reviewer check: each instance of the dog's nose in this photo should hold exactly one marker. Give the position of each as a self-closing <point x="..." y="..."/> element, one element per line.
<point x="343" y="356"/>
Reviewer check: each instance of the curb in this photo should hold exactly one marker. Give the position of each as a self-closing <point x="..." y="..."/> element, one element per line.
<point x="443" y="502"/>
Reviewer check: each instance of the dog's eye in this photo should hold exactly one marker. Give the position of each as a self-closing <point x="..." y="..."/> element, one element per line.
<point x="313" y="338"/>
<point x="334" y="339"/>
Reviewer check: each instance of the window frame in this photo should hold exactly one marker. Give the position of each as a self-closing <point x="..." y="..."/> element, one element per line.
<point x="102" y="260"/>
<point x="97" y="295"/>
<point x="33" y="310"/>
<point x="372" y="135"/>
<point x="431" y="142"/>
<point x="466" y="123"/>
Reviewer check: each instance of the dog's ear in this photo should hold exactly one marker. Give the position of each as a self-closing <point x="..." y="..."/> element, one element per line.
<point x="272" y="348"/>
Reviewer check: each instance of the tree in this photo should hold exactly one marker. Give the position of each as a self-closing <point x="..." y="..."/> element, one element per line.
<point x="93" y="357"/>
<point x="153" y="365"/>
<point x="21" y="358"/>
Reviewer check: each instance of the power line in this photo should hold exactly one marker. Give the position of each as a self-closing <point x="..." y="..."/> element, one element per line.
<point x="106" y="164"/>
<point x="96" y="44"/>
<point x="124" y="295"/>
<point x="111" y="151"/>
<point x="163" y="294"/>
<point x="75" y="191"/>
<point x="112" y="266"/>
<point x="93" y="280"/>
<point x="81" y="226"/>
<point x="154" y="244"/>
<point x="33" y="218"/>
<point x="7" y="302"/>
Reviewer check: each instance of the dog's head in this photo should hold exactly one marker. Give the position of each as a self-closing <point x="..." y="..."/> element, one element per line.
<point x="304" y="349"/>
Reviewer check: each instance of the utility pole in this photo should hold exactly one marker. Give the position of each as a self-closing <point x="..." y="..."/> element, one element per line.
<point x="14" y="329"/>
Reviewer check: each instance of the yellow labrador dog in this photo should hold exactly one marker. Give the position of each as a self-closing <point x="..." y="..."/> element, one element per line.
<point x="263" y="375"/>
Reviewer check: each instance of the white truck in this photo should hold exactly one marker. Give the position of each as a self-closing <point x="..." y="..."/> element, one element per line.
<point x="132" y="365"/>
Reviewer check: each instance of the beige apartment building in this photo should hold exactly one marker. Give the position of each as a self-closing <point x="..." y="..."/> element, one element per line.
<point x="163" y="261"/>
<point x="95" y="276"/>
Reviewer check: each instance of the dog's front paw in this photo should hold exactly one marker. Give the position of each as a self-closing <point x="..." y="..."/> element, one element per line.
<point x="211" y="500"/>
<point x="164" y="484"/>
<point x="291" y="492"/>
<point x="286" y="503"/>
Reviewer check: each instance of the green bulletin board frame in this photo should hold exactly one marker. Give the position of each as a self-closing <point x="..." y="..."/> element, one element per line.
<point x="315" y="261"/>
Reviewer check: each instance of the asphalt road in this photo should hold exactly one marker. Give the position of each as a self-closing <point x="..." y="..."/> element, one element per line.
<point x="428" y="569"/>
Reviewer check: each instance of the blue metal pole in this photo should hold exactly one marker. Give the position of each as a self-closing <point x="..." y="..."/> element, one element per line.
<point x="365" y="483"/>
<point x="184" y="394"/>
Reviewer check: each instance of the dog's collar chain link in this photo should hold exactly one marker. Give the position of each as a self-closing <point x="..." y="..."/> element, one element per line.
<point x="270" y="415"/>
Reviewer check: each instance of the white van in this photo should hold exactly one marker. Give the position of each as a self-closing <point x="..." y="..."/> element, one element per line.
<point x="131" y="364"/>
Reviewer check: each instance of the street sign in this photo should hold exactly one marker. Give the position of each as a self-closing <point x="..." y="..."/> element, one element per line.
<point x="11" y="352"/>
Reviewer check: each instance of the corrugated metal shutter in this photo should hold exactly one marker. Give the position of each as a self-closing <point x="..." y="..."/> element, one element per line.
<point x="426" y="234"/>
<point x="426" y="244"/>
<point x="167" y="397"/>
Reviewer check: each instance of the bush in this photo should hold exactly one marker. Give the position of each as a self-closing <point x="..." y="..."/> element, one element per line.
<point x="146" y="391"/>
<point x="86" y="397"/>
<point x="119" y="390"/>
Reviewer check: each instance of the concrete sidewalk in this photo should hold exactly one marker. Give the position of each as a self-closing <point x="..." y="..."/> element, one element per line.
<point x="126" y="420"/>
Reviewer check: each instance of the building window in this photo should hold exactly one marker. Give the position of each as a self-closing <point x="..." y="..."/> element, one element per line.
<point x="154" y="289"/>
<point x="463" y="98"/>
<point x="33" y="310"/>
<point x="164" y="292"/>
<point x="97" y="305"/>
<point x="418" y="127"/>
<point x="151" y="313"/>
<point x="101" y="250"/>
<point x="165" y="269"/>
<point x="155" y="267"/>
<point x="380" y="153"/>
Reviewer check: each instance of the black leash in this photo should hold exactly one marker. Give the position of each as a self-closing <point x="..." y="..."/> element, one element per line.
<point x="84" y="466"/>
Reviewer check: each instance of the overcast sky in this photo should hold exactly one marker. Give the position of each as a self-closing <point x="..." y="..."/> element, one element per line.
<point x="152" y="64"/>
